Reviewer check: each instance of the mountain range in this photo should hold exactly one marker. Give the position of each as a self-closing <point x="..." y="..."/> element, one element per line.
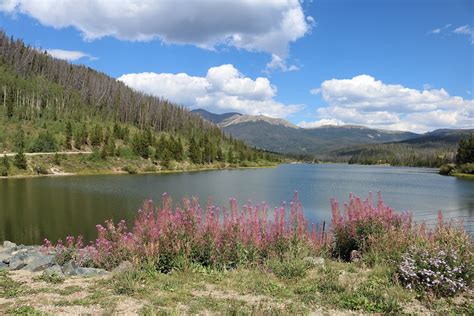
<point x="279" y="135"/>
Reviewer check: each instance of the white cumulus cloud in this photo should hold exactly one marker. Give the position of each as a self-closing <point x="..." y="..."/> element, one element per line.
<point x="264" y="26"/>
<point x="319" y="123"/>
<point x="224" y="88"/>
<point x="466" y="30"/>
<point x="366" y="101"/>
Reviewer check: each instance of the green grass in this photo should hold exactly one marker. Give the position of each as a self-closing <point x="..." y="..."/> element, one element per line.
<point x="8" y="287"/>
<point x="284" y="289"/>
<point x="50" y="278"/>
<point x="271" y="288"/>
<point x="464" y="175"/>
<point x="24" y="310"/>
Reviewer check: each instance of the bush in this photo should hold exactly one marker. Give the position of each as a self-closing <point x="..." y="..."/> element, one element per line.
<point x="467" y="168"/>
<point x="289" y="269"/>
<point x="437" y="270"/>
<point x="446" y="170"/>
<point x="130" y="169"/>
<point x="96" y="156"/>
<point x="44" y="143"/>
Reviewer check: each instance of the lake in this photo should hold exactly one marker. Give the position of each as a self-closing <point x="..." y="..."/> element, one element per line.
<point x="32" y="209"/>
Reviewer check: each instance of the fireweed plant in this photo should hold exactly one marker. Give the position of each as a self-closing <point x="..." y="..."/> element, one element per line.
<point x="172" y="237"/>
<point x="168" y="237"/>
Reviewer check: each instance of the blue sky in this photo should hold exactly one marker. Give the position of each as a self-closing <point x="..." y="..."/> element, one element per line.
<point x="386" y="64"/>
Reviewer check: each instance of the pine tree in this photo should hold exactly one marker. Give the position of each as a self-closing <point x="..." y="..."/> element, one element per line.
<point x="465" y="152"/>
<point x="20" y="160"/>
<point x="68" y="142"/>
<point x="10" y="103"/>
<point x="96" y="136"/>
<point x="140" y="144"/>
<point x="194" y="152"/>
<point x="20" y="140"/>
<point x="230" y="155"/>
<point x="219" y="154"/>
<point x="6" y="162"/>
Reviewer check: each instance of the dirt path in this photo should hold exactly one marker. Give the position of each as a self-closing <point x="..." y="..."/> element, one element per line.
<point x="46" y="154"/>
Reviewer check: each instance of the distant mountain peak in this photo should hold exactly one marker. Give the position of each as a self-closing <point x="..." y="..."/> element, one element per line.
<point x="232" y="118"/>
<point x="243" y="118"/>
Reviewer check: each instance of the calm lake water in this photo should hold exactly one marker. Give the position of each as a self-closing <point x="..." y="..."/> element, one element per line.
<point x="53" y="207"/>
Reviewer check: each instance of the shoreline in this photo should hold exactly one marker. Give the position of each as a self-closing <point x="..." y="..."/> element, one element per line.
<point x="121" y="172"/>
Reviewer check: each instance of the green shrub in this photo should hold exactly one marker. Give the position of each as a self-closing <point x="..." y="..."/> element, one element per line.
<point x="467" y="168"/>
<point x="20" y="160"/>
<point x="125" y="152"/>
<point x="130" y="169"/>
<point x="45" y="142"/>
<point x="95" y="156"/>
<point x="446" y="169"/>
<point x="289" y="269"/>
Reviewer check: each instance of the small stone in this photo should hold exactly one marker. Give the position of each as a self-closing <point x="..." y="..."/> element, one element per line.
<point x="123" y="266"/>
<point x="355" y="256"/>
<point x="8" y="244"/>
<point x="54" y="270"/>
<point x="314" y="261"/>
<point x="89" y="272"/>
<point x="39" y="263"/>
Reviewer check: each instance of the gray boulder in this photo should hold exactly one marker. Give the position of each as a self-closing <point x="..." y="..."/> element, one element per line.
<point x="8" y="244"/>
<point x="39" y="263"/>
<point x="17" y="262"/>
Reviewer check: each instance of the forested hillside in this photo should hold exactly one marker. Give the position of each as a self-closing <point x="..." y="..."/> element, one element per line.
<point x="49" y="105"/>
<point x="432" y="149"/>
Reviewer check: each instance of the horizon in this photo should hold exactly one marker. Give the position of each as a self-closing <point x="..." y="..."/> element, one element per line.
<point x="311" y="63"/>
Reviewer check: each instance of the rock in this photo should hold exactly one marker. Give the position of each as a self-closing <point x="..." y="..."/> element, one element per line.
<point x="39" y="263"/>
<point x="355" y="256"/>
<point x="89" y="272"/>
<point x="314" y="261"/>
<point x="54" y="270"/>
<point x="17" y="262"/>
<point x="8" y="244"/>
<point x="69" y="268"/>
<point x="123" y="266"/>
<point x="5" y="256"/>
<point x="3" y="266"/>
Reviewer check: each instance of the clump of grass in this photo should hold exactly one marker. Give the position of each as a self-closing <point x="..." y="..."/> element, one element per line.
<point x="24" y="310"/>
<point x="289" y="269"/>
<point x="52" y="278"/>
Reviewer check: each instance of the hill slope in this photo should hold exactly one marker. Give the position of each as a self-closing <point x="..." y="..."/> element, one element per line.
<point x="51" y="105"/>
